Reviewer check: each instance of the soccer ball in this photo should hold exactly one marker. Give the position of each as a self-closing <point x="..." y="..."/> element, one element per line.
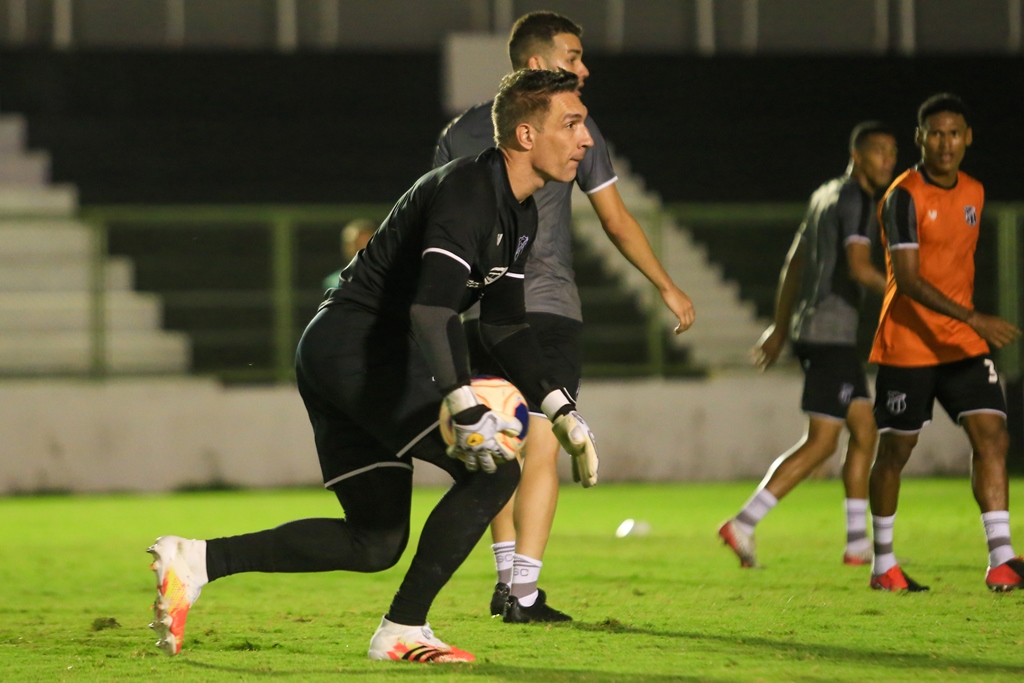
<point x="500" y="396"/>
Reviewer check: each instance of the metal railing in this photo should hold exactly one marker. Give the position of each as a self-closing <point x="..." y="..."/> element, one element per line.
<point x="282" y="224"/>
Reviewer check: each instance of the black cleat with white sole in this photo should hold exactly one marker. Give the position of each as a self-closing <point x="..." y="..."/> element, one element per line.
<point x="539" y="611"/>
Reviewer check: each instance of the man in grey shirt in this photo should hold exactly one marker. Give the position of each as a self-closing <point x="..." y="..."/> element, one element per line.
<point x="544" y="40"/>
<point x="818" y="307"/>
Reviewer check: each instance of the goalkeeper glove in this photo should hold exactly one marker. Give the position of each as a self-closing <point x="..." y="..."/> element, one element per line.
<point x="475" y="428"/>
<point x="575" y="436"/>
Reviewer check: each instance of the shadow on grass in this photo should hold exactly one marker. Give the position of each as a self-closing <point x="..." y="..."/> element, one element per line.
<point x="833" y="653"/>
<point x="511" y="673"/>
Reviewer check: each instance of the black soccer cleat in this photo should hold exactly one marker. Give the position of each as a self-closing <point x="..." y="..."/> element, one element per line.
<point x="499" y="598"/>
<point x="538" y="611"/>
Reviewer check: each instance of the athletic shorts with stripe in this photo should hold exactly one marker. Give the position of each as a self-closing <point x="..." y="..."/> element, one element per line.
<point x="559" y="339"/>
<point x="833" y="377"/>
<point x="369" y="394"/>
<point x="904" y="396"/>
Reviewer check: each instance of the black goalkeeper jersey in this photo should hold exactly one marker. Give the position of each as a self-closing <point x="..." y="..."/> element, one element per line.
<point x="464" y="210"/>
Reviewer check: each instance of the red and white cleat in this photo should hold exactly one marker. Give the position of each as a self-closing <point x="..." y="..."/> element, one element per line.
<point x="858" y="558"/>
<point x="401" y="643"/>
<point x="896" y="581"/>
<point x="742" y="543"/>
<point x="1007" y="576"/>
<point x="177" y="586"/>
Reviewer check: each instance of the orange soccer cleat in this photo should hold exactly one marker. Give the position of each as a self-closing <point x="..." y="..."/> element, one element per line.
<point x="177" y="587"/>
<point x="896" y="581"/>
<point x="401" y="643"/>
<point x="1007" y="576"/>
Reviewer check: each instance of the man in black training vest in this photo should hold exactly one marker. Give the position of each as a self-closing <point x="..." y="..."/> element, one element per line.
<point x="385" y="349"/>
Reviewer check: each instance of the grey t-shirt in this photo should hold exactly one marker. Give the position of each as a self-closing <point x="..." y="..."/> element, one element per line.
<point x="826" y="311"/>
<point x="550" y="281"/>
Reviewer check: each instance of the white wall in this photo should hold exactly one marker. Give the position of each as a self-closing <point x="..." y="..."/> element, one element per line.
<point x="163" y="434"/>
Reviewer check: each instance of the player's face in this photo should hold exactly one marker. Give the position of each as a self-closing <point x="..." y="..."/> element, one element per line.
<point x="567" y="53"/>
<point x="876" y="159"/>
<point x="944" y="140"/>
<point x="562" y="140"/>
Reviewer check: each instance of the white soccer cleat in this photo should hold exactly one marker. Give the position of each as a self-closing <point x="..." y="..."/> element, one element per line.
<point x="178" y="583"/>
<point x="742" y="543"/>
<point x="401" y="643"/>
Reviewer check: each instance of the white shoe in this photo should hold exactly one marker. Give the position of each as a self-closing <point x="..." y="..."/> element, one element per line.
<point x="399" y="642"/>
<point x="860" y="557"/>
<point x="180" y="567"/>
<point x="742" y="543"/>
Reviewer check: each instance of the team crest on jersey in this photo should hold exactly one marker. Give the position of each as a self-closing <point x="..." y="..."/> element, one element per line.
<point x="971" y="215"/>
<point x="522" y="245"/>
<point x="897" y="402"/>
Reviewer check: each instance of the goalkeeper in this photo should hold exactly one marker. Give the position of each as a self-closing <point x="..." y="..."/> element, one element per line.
<point x="385" y="349"/>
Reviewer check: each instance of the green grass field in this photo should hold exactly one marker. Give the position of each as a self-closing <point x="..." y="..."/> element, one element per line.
<point x="75" y="593"/>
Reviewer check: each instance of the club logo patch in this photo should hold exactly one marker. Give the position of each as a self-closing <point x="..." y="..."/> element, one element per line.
<point x="932" y="214"/>
<point x="846" y="393"/>
<point x="897" y="402"/>
<point x="971" y="215"/>
<point x="522" y="245"/>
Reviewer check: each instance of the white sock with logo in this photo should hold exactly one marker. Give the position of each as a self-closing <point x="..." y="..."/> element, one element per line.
<point x="997" y="531"/>
<point x="885" y="559"/>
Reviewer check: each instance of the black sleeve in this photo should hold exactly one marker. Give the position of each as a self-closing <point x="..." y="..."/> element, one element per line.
<point x="436" y="323"/>
<point x="855" y="211"/>
<point x="443" y="152"/>
<point x="899" y="218"/>
<point x="462" y="212"/>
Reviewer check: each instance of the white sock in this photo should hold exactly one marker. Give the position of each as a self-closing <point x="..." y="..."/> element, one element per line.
<point x="503" y="553"/>
<point x="759" y="505"/>
<point x="997" y="531"/>
<point x="857" y="524"/>
<point x="525" y="573"/>
<point x="885" y="559"/>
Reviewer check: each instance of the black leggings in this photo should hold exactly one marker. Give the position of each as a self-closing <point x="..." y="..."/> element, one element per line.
<point x="375" y="531"/>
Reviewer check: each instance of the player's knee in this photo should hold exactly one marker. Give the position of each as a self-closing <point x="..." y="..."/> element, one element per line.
<point x="992" y="444"/>
<point x="864" y="436"/>
<point x="894" y="452"/>
<point x="382" y="548"/>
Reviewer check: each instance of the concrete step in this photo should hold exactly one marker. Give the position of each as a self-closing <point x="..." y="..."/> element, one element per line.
<point x="44" y="239"/>
<point x="63" y="275"/>
<point x="12" y="133"/>
<point x="30" y="168"/>
<point x="70" y="352"/>
<point x="44" y="312"/>
<point x="47" y="201"/>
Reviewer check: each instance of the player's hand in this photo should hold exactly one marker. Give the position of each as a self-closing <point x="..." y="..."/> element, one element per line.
<point x="769" y="347"/>
<point x="681" y="307"/>
<point x="993" y="329"/>
<point x="574" y="435"/>
<point x="475" y="428"/>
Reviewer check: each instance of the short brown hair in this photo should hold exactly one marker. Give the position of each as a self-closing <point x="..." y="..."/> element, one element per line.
<point x="524" y="96"/>
<point x="537" y="28"/>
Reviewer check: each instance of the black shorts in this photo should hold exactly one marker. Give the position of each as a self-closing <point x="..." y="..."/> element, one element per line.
<point x="904" y="396"/>
<point x="559" y="339"/>
<point x="833" y="377"/>
<point x="369" y="394"/>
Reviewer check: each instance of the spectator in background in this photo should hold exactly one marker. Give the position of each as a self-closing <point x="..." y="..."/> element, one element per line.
<point x="354" y="237"/>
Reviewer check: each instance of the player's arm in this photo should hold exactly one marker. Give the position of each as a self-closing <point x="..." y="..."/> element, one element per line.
<point x="862" y="270"/>
<point x="773" y="340"/>
<point x="628" y="237"/>
<point x="858" y="227"/>
<point x="900" y="218"/>
<point x="509" y="339"/>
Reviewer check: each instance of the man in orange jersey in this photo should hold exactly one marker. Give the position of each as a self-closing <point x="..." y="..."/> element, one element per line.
<point x="932" y="344"/>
